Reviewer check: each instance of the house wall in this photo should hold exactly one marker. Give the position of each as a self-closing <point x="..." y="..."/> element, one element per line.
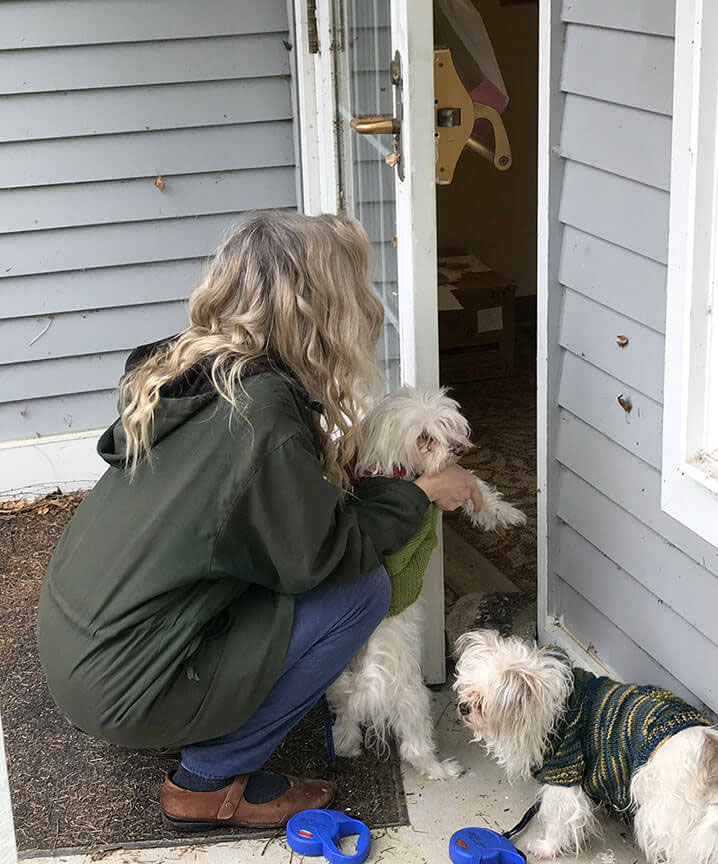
<point x="626" y="579"/>
<point x="99" y="99"/>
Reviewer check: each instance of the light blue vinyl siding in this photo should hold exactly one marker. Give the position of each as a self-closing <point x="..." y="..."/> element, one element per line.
<point x="626" y="579"/>
<point x="96" y="101"/>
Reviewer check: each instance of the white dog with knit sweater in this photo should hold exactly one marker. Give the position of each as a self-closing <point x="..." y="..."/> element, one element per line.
<point x="636" y="750"/>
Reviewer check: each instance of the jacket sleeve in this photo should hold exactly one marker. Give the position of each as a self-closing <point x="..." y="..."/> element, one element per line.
<point x="289" y="531"/>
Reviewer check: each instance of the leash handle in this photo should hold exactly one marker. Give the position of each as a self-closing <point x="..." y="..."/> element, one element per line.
<point x="316" y="832"/>
<point x="347" y="828"/>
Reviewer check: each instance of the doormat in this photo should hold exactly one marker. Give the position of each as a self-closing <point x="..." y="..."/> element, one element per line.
<point x="71" y="792"/>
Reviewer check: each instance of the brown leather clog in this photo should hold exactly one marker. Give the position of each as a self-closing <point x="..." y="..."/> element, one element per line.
<point x="184" y="811"/>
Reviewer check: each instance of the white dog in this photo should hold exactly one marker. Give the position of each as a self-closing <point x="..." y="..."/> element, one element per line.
<point x="590" y="742"/>
<point x="382" y="692"/>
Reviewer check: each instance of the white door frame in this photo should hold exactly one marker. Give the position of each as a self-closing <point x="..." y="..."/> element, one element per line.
<point x="412" y="36"/>
<point x="8" y="849"/>
<point x="315" y="109"/>
<point x="551" y="629"/>
<point x="550" y="168"/>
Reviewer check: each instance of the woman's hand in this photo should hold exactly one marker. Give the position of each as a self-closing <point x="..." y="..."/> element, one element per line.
<point x="451" y="488"/>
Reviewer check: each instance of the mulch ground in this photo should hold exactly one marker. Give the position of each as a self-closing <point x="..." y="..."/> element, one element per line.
<point x="502" y="413"/>
<point x="70" y="791"/>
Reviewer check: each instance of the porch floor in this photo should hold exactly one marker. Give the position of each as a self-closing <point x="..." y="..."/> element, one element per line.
<point x="482" y="797"/>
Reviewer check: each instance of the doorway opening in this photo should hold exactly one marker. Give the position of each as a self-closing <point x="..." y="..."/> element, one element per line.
<point x="486" y="230"/>
<point x="486" y="219"/>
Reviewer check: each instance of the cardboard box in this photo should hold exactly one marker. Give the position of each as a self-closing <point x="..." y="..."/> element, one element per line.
<point x="452" y="267"/>
<point x="477" y="327"/>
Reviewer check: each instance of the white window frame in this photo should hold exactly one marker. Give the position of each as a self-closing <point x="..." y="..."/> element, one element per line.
<point x="690" y="413"/>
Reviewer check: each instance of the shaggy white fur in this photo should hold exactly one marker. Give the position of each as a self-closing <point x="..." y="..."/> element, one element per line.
<point x="568" y="821"/>
<point x="382" y="692"/>
<point x="512" y="694"/>
<point x="676" y="799"/>
<point x="497" y="676"/>
<point x="421" y="433"/>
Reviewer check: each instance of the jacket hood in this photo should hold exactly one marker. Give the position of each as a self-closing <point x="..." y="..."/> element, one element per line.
<point x="180" y="399"/>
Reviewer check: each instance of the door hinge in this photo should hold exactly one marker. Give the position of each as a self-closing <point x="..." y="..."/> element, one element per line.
<point x="312" y="31"/>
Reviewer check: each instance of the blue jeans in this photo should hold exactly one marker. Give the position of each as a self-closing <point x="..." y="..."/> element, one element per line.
<point x="331" y="623"/>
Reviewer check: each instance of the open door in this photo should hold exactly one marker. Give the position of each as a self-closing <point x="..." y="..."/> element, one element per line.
<point x="365" y="87"/>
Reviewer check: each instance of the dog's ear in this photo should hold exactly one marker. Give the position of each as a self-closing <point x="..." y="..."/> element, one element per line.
<point x="476" y="642"/>
<point x="529" y="696"/>
<point x="520" y="698"/>
<point x="425" y="442"/>
<point x="711" y="755"/>
<point x="518" y="685"/>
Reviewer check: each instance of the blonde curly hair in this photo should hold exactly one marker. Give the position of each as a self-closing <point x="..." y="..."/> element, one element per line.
<point x="290" y="287"/>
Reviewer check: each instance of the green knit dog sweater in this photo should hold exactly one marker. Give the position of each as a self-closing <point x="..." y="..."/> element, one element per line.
<point x="608" y="732"/>
<point x="406" y="567"/>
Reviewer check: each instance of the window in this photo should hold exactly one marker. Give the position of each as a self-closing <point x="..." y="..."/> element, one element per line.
<point x="690" y="415"/>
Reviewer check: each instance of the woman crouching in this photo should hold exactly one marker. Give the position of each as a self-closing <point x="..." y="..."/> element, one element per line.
<point x="217" y="579"/>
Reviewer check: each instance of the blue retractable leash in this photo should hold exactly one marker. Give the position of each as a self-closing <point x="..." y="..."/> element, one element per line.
<point x="474" y="845"/>
<point x="316" y="832"/>
<point x="483" y="846"/>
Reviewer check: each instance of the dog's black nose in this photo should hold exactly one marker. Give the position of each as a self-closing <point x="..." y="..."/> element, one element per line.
<point x="464" y="709"/>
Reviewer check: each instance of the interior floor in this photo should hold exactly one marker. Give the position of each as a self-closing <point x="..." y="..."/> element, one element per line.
<point x="486" y="228"/>
<point x="481" y="568"/>
<point x="502" y="413"/>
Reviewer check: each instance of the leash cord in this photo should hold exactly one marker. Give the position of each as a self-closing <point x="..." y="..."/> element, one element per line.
<point x="329" y="734"/>
<point x="523" y="821"/>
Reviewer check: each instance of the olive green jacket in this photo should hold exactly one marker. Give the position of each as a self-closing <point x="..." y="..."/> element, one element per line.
<point x="167" y="607"/>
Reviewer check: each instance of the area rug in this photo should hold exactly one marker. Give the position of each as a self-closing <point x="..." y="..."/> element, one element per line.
<point x="502" y="413"/>
<point x="72" y="792"/>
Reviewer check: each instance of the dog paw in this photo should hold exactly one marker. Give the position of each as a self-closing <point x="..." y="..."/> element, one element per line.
<point x="449" y="769"/>
<point x="509" y="516"/>
<point x="347" y="741"/>
<point x="543" y="849"/>
<point x="496" y="517"/>
<point x="348" y="751"/>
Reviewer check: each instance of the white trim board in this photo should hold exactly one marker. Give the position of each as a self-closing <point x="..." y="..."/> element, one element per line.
<point x="37" y="466"/>
<point x="554" y="633"/>
<point x="549" y="236"/>
<point x="315" y="104"/>
<point x="542" y="292"/>
<point x="412" y="37"/>
<point x="690" y="488"/>
<point x="8" y="851"/>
